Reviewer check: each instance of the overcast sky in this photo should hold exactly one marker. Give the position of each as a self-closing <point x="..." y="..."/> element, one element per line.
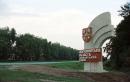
<point x="57" y="20"/>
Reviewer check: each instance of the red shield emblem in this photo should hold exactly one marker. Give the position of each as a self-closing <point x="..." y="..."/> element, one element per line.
<point x="87" y="34"/>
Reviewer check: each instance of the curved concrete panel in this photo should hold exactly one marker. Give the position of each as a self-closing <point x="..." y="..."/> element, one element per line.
<point x="100" y="21"/>
<point x="99" y="36"/>
<point x="102" y="39"/>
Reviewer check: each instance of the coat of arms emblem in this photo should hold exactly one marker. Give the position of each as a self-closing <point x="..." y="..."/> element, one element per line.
<point x="87" y="34"/>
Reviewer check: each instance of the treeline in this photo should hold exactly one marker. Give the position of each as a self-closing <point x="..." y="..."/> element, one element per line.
<point x="27" y="47"/>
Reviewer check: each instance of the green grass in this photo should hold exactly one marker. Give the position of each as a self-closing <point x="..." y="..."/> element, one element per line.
<point x="4" y="67"/>
<point x="7" y="75"/>
<point x="68" y="65"/>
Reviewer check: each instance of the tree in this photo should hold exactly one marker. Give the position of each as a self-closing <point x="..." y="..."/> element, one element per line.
<point x="13" y="35"/>
<point x="125" y="10"/>
<point x="12" y="43"/>
<point x="120" y="44"/>
<point x="5" y="44"/>
<point x="27" y="47"/>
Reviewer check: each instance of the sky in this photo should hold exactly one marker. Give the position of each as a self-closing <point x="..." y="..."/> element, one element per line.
<point x="59" y="21"/>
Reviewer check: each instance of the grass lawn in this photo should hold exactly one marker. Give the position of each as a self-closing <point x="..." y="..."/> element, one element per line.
<point x="68" y="65"/>
<point x="22" y="76"/>
<point x="7" y="75"/>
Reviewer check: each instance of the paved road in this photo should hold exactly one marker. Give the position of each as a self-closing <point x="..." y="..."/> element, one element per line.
<point x="27" y="63"/>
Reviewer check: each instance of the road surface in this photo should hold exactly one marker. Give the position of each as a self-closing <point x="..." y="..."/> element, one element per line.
<point x="32" y="63"/>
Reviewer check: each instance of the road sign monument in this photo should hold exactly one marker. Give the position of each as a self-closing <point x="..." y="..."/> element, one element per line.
<point x="98" y="31"/>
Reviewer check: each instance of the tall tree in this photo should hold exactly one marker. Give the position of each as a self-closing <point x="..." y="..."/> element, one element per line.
<point x="120" y="44"/>
<point x="12" y="43"/>
<point x="4" y="43"/>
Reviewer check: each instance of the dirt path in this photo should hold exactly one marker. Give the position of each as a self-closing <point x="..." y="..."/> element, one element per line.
<point x="96" y="77"/>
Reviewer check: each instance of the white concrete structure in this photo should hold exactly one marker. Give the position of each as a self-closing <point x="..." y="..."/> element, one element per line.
<point x="101" y="31"/>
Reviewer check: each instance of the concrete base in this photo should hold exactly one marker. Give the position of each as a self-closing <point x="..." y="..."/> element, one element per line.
<point x="93" y="67"/>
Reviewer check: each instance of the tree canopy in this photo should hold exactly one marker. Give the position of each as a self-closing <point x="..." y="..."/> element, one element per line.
<point x="120" y="43"/>
<point x="125" y="10"/>
<point x="27" y="47"/>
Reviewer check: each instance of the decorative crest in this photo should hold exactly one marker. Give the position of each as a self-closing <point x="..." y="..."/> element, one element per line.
<point x="87" y="34"/>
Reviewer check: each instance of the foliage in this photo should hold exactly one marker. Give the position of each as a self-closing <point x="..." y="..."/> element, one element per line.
<point x="27" y="47"/>
<point x="120" y="43"/>
<point x="7" y="38"/>
<point x="125" y="10"/>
